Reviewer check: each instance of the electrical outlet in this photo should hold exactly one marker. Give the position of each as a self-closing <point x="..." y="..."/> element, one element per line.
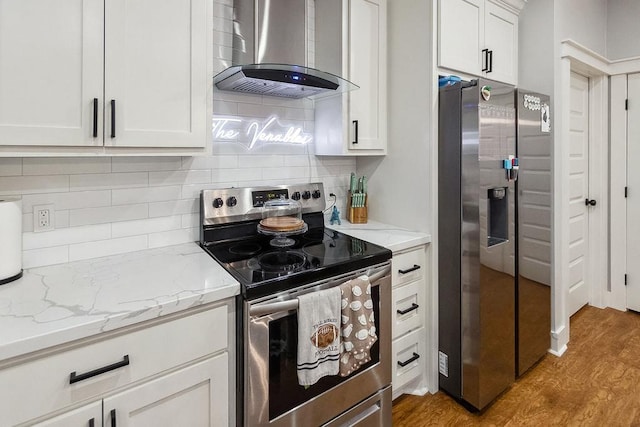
<point x="43" y="218"/>
<point x="443" y="364"/>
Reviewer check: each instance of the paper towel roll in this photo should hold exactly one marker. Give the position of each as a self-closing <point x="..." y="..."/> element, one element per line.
<point x="10" y="239"/>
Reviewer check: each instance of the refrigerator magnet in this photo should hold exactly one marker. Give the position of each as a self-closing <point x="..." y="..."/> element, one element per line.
<point x="545" y="118"/>
<point x="485" y="91"/>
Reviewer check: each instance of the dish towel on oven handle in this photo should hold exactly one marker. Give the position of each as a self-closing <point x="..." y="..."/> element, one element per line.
<point x="357" y="324"/>
<point x="318" y="335"/>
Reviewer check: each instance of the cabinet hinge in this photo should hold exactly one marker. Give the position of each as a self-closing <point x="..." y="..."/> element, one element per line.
<point x="626" y="104"/>
<point x="625" y="280"/>
<point x="626" y="192"/>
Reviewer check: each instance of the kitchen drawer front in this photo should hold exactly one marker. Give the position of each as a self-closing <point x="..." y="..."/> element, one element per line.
<point x="42" y="385"/>
<point x="408" y="266"/>
<point x="409" y="351"/>
<point x="408" y="307"/>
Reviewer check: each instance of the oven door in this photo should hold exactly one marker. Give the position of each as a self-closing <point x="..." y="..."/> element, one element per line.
<point x="272" y="394"/>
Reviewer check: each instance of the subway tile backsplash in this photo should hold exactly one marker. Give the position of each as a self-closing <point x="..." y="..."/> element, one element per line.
<point x="98" y="214"/>
<point x="111" y="205"/>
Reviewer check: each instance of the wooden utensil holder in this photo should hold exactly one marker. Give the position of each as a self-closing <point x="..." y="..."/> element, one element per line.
<point x="357" y="215"/>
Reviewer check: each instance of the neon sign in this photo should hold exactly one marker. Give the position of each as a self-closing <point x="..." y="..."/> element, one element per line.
<point x="270" y="131"/>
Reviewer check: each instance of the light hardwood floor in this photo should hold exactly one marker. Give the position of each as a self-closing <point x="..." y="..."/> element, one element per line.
<point x="595" y="383"/>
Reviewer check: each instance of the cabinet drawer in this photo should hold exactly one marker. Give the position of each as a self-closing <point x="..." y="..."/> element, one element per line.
<point x="408" y="266"/>
<point x="41" y="386"/>
<point x="410" y="352"/>
<point x="408" y="307"/>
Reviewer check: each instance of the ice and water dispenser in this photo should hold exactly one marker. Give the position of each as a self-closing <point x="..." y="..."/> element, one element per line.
<point x="497" y="216"/>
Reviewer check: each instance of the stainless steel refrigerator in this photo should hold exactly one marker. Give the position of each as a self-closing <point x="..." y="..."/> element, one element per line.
<point x="534" y="219"/>
<point x="480" y="309"/>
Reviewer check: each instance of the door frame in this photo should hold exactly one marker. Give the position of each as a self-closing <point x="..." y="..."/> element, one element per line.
<point x="574" y="57"/>
<point x="614" y="293"/>
<point x="618" y="203"/>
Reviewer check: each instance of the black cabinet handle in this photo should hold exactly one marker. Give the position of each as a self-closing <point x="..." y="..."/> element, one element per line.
<point x="415" y="357"/>
<point x="490" y="61"/>
<point x="113" y="118"/>
<point x="485" y="59"/>
<point x="409" y="270"/>
<point x="414" y="306"/>
<point x="92" y="422"/>
<point x="95" y="117"/>
<point x="355" y="131"/>
<point x="588" y="202"/>
<point x="113" y="417"/>
<point x="74" y="378"/>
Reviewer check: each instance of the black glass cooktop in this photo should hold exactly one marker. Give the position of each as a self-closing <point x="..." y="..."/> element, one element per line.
<point x="317" y="254"/>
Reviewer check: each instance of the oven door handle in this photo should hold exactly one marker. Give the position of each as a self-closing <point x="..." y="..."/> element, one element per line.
<point x="292" y="304"/>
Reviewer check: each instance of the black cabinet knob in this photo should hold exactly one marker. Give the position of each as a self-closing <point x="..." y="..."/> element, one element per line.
<point x="218" y="202"/>
<point x="589" y="202"/>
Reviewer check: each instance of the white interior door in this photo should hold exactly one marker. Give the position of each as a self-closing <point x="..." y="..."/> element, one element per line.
<point x="633" y="200"/>
<point x="578" y="192"/>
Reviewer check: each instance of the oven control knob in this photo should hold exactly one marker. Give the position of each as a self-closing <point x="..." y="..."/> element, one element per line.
<point x="296" y="195"/>
<point x="217" y="202"/>
<point x="232" y="201"/>
<point x="316" y="194"/>
<point x="306" y="195"/>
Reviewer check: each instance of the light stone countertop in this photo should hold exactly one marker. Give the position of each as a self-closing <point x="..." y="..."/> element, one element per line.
<point x="391" y="237"/>
<point x="56" y="304"/>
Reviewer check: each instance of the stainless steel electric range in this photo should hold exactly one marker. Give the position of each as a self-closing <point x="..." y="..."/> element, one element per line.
<point x="271" y="278"/>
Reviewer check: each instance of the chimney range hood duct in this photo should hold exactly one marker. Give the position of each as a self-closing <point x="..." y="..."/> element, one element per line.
<point x="269" y="38"/>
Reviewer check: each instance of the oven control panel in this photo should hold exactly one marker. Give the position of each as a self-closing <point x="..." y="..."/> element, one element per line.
<point x="245" y="203"/>
<point x="259" y="197"/>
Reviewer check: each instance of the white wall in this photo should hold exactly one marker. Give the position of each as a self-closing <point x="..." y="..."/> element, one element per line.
<point x="113" y="205"/>
<point x="623" y="31"/>
<point x="535" y="60"/>
<point x="399" y="183"/>
<point x="584" y="21"/>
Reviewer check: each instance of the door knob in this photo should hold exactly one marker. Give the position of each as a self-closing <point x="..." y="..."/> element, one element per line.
<point x="589" y="202"/>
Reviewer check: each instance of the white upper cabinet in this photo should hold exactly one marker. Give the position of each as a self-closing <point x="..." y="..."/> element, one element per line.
<point x="156" y="72"/>
<point x="105" y="74"/>
<point x="478" y="37"/>
<point x="461" y="24"/>
<point x="353" y="123"/>
<point x="51" y="61"/>
<point x="501" y="38"/>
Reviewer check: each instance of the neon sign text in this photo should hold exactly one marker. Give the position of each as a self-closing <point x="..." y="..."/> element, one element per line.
<point x="269" y="131"/>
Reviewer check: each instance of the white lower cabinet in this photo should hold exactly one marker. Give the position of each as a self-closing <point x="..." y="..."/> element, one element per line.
<point x="88" y="415"/>
<point x="408" y="361"/>
<point x="182" y="398"/>
<point x="171" y="371"/>
<point x="409" y="291"/>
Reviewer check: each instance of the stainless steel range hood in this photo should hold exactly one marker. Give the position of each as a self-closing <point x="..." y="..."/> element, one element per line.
<point x="269" y="46"/>
<point x="283" y="80"/>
